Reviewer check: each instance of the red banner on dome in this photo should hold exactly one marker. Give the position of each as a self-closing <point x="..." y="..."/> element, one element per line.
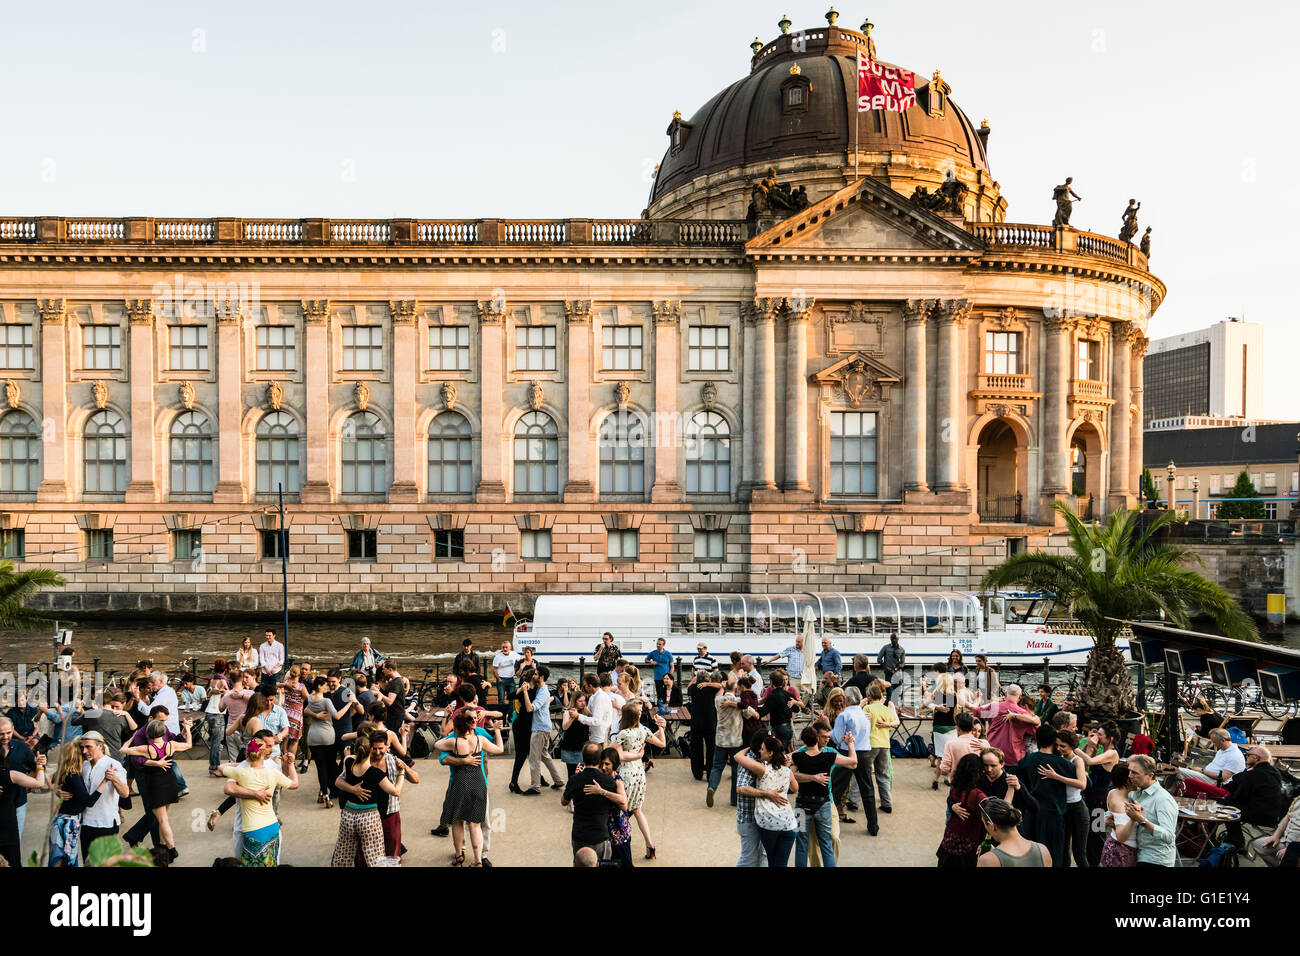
<point x="884" y="87"/>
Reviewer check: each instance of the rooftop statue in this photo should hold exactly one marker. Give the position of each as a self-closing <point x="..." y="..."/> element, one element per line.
<point x="946" y="199"/>
<point x="770" y="197"/>
<point x="1064" y="206"/>
<point x="1145" y="244"/>
<point x="1130" y="225"/>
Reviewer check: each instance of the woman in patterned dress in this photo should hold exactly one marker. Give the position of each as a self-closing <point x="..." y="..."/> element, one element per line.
<point x="620" y="828"/>
<point x="295" y="695"/>
<point x="630" y="742"/>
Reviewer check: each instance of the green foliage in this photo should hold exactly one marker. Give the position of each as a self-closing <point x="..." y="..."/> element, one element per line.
<point x="1148" y="486"/>
<point x="1243" y="488"/>
<point x="15" y="588"/>
<point x="1116" y="572"/>
<point x="110" y="851"/>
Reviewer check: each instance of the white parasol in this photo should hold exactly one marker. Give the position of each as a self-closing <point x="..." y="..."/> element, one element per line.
<point x="806" y="680"/>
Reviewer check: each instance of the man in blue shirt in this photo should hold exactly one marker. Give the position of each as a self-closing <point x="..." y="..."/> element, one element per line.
<point x="854" y="720"/>
<point x="829" y="659"/>
<point x="793" y="657"/>
<point x="663" y="662"/>
<point x="540" y="736"/>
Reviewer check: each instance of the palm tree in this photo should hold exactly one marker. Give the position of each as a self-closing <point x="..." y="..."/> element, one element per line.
<point x="15" y="588"/>
<point x="1112" y="573"/>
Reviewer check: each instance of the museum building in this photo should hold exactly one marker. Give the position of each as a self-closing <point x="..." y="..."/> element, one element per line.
<point x="821" y="359"/>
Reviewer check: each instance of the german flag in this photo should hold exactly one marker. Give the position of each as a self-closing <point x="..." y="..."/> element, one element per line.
<point x="509" y="616"/>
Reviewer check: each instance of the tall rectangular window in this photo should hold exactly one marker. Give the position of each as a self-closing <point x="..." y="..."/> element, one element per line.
<point x="1270" y="479"/>
<point x="189" y="347"/>
<point x="708" y="348"/>
<point x="621" y="345"/>
<point x="101" y="347"/>
<point x="449" y="348"/>
<point x="277" y="348"/>
<point x="363" y="348"/>
<point x="16" y="346"/>
<point x="1214" y="484"/>
<point x="1089" y="369"/>
<point x="13" y="544"/>
<point x="535" y="348"/>
<point x="853" y="453"/>
<point x="710" y="545"/>
<point x="1001" y="353"/>
<point x="535" y="545"/>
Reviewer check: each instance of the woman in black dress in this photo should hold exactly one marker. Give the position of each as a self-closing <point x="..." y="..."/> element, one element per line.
<point x="12" y="782"/>
<point x="163" y="790"/>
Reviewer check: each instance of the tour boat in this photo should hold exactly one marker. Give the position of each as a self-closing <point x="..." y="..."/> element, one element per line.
<point x="1011" y="627"/>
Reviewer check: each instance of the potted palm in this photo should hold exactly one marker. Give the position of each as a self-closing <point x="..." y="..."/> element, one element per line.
<point x="1116" y="572"/>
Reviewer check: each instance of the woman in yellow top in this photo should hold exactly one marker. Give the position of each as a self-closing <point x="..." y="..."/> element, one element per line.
<point x="884" y="718"/>
<point x="254" y="783"/>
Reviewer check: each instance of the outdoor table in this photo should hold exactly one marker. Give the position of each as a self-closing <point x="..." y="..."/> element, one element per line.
<point x="906" y="729"/>
<point x="429" y="716"/>
<point x="1205" y="821"/>
<point x="675" y="717"/>
<point x="1284" y="752"/>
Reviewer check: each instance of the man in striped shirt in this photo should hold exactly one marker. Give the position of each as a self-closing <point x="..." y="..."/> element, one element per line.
<point x="703" y="660"/>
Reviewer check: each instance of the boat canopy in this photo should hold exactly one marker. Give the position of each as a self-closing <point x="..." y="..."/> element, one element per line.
<point x="875" y="613"/>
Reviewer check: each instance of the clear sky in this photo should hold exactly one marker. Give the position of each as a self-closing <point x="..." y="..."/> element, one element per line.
<point x="461" y="110"/>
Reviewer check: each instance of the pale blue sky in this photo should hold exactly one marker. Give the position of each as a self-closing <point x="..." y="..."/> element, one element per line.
<point x="460" y="110"/>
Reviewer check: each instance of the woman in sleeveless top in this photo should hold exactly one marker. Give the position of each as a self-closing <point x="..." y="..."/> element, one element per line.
<point x="163" y="790"/>
<point x="1120" y="849"/>
<point x="630" y="740"/>
<point x="466" y="800"/>
<point x="1001" y="822"/>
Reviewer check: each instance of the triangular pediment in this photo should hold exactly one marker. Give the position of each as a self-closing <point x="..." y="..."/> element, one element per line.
<point x="866" y="216"/>
<point x="861" y="376"/>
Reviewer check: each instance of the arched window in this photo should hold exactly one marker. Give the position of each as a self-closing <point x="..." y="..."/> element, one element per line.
<point x="279" y="454"/>
<point x="537" y="455"/>
<point x="104" y="453"/>
<point x="451" y="455"/>
<point x="20" y="453"/>
<point x="191" y="454"/>
<point x="365" y="455"/>
<point x="708" y="455"/>
<point x="622" y="454"/>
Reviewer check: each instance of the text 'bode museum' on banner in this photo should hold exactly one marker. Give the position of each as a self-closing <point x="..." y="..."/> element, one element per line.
<point x="884" y="87"/>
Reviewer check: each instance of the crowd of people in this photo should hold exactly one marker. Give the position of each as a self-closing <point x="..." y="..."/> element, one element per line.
<point x="804" y="749"/>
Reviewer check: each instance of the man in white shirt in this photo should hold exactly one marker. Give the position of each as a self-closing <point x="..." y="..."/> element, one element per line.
<point x="503" y="665"/>
<point x="1228" y="760"/>
<point x="101" y="818"/>
<point x="270" y="660"/>
<point x="600" y="707"/>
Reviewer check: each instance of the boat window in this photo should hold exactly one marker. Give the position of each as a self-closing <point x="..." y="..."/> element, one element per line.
<point x="887" y="615"/>
<point x="938" y="613"/>
<point x="860" y="614"/>
<point x="707" y="620"/>
<point x="835" y="610"/>
<point x="681" y="610"/>
<point x="912" y="612"/>
<point x="733" y="615"/>
<point x="1019" y="609"/>
<point x="758" y="610"/>
<point x="1040" y="612"/>
<point x="805" y="603"/>
<point x="785" y="621"/>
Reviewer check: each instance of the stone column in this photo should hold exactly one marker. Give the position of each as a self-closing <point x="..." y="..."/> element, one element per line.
<point x="765" y="395"/>
<point x="54" y="400"/>
<point x="143" y="486"/>
<point x="665" y="431"/>
<point x="1136" y="435"/>
<point x="316" y="357"/>
<point x="915" y="415"/>
<point x="491" y="318"/>
<point x="1121" y="334"/>
<point x="795" y="485"/>
<point x="1056" y="378"/>
<point x="578" y="487"/>
<point x="405" y="372"/>
<point x="950" y="397"/>
<point x="747" y="416"/>
<point x="230" y="487"/>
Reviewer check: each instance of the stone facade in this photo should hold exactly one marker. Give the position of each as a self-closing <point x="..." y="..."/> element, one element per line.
<point x="863" y="394"/>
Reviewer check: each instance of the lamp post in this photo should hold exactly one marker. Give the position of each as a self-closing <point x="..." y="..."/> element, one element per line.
<point x="1170" y="472"/>
<point x="1196" y="497"/>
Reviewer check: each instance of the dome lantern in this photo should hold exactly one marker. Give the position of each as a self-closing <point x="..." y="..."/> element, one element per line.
<point x="756" y="45"/>
<point x="831" y="16"/>
<point x="784" y="23"/>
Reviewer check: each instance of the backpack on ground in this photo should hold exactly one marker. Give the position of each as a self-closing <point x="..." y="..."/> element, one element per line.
<point x="1223" y="855"/>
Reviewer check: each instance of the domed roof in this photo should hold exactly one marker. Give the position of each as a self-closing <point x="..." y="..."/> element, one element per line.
<point x="752" y="121"/>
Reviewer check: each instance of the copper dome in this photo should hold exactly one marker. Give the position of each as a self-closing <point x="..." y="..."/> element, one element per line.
<point x="751" y="123"/>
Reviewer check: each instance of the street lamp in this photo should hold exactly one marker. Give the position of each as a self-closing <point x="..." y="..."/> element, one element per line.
<point x="1196" y="497"/>
<point x="1170" y="472"/>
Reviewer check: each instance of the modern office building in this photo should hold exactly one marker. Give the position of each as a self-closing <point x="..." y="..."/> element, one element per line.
<point x="813" y="363"/>
<point x="1213" y="372"/>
